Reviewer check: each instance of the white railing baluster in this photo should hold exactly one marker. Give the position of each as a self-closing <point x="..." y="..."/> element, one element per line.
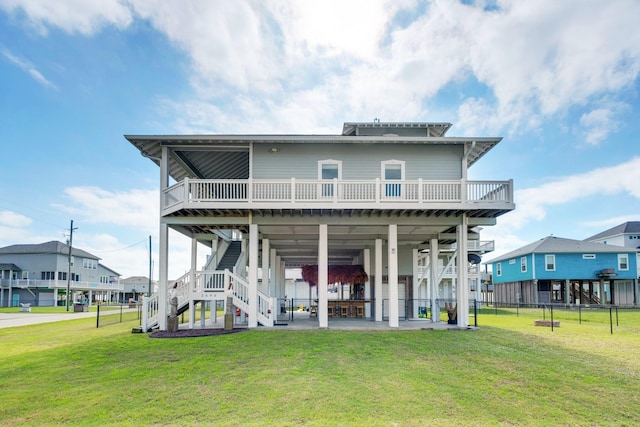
<point x="380" y="192"/>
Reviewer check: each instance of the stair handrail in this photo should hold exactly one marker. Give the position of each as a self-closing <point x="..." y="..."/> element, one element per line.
<point x="240" y="291"/>
<point x="150" y="312"/>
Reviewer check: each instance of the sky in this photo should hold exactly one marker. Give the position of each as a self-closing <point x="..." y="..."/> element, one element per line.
<point x="559" y="81"/>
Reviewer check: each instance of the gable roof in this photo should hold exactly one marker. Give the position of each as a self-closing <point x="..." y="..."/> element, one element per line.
<point x="52" y="247"/>
<point x="555" y="245"/>
<point x="624" y="228"/>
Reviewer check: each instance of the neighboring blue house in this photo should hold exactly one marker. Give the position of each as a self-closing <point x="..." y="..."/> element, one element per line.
<point x="558" y="270"/>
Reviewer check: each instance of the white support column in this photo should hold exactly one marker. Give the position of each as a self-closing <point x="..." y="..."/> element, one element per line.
<point x="192" y="282"/>
<point x="378" y="280"/>
<point x="273" y="290"/>
<point x="393" y="276"/>
<point x="203" y="313"/>
<point x="462" y="288"/>
<point x="433" y="279"/>
<point x="366" y="254"/>
<point x="280" y="284"/>
<point x="192" y="313"/>
<point x="253" y="276"/>
<point x="265" y="267"/>
<point x="323" y="275"/>
<point x="567" y="292"/>
<point x="163" y="287"/>
<point x="416" y="284"/>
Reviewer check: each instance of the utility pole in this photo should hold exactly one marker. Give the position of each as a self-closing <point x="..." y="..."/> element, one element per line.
<point x="69" y="260"/>
<point x="149" y="288"/>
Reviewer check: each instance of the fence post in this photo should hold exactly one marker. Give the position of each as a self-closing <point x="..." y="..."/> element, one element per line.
<point x="475" y="313"/>
<point x="98" y="317"/>
<point x="518" y="309"/>
<point x="551" y="318"/>
<point x="617" y="324"/>
<point x="579" y="314"/>
<point x="611" y="319"/>
<point x="121" y="312"/>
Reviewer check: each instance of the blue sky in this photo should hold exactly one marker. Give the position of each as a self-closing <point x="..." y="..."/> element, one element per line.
<point x="559" y="81"/>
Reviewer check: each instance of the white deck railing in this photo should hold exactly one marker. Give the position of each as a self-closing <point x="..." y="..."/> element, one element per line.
<point x="60" y="284"/>
<point x="336" y="191"/>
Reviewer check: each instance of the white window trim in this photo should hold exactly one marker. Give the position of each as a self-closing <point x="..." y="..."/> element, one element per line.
<point x="329" y="162"/>
<point x="384" y="163"/>
<point x="620" y="257"/>
<point x="499" y="269"/>
<point x="523" y="264"/>
<point x="546" y="263"/>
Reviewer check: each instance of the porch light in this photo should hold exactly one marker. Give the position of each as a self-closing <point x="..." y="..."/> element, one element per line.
<point x="274" y="149"/>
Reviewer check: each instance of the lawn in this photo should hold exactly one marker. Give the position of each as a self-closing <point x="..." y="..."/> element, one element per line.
<point x="506" y="373"/>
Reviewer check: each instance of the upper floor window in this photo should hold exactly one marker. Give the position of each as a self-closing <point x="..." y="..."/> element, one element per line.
<point x="550" y="262"/>
<point x="90" y="264"/>
<point x="499" y="269"/>
<point x="47" y="275"/>
<point x="523" y="264"/>
<point x="329" y="170"/>
<point x="104" y="279"/>
<point x="393" y="170"/>
<point x="25" y="275"/>
<point x="623" y="261"/>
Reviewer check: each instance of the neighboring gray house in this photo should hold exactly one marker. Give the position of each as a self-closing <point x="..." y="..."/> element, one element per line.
<point x="37" y="274"/>
<point x="134" y="287"/>
<point x="393" y="198"/>
<point x="626" y="234"/>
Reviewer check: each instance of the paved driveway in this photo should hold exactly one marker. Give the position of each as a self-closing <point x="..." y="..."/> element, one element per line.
<point x="8" y="320"/>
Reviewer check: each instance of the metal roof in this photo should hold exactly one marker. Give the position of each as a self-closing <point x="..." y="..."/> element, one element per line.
<point x="552" y="244"/>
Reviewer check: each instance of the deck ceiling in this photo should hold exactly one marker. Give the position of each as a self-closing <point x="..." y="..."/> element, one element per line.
<point x="297" y="243"/>
<point x="227" y="156"/>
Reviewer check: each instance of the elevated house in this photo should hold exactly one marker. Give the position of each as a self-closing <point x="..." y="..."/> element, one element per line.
<point x="626" y="234"/>
<point x="558" y="270"/>
<point x="39" y="274"/>
<point x="393" y="198"/>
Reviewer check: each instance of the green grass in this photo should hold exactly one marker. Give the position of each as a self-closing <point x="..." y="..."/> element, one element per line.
<point x="507" y="373"/>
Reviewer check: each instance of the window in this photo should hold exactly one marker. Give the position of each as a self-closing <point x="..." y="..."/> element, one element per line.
<point x="550" y="262"/>
<point x="62" y="275"/>
<point x="48" y="275"/>
<point x="90" y="264"/>
<point x="523" y="264"/>
<point x="25" y="275"/>
<point x="499" y="269"/>
<point x="393" y="170"/>
<point x="104" y="279"/>
<point x="623" y="261"/>
<point x="329" y="170"/>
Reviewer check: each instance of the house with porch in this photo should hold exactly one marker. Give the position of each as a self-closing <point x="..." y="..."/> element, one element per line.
<point x="392" y="198"/>
<point x="567" y="271"/>
<point x="40" y="274"/>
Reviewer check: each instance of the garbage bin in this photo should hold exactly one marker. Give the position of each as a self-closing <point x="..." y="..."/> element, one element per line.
<point x="79" y="307"/>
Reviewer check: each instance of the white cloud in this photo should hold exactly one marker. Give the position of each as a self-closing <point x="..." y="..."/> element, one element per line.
<point x="72" y="16"/>
<point x="12" y="219"/>
<point x="334" y="60"/>
<point x="136" y="209"/>
<point x="598" y="124"/>
<point x="27" y="67"/>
